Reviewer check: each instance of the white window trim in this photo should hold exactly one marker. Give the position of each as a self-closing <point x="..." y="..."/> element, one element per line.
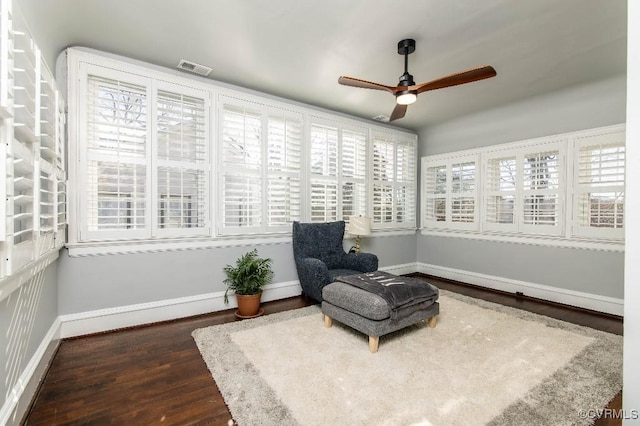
<point x="567" y="236"/>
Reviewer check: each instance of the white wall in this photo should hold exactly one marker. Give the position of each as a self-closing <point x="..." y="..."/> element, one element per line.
<point x="631" y="380"/>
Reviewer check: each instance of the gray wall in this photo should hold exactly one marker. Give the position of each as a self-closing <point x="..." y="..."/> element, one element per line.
<point x="592" y="105"/>
<point x="589" y="271"/>
<point x="100" y="282"/>
<point x="583" y="107"/>
<point x="26" y="316"/>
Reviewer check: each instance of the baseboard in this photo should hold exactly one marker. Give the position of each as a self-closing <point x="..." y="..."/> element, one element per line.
<point x="145" y="313"/>
<point x="19" y="398"/>
<point x="590" y="301"/>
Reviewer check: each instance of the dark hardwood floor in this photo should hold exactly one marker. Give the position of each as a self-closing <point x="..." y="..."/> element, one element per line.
<point x="154" y="374"/>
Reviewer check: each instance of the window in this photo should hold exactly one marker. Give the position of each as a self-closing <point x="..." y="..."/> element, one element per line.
<point x="261" y="168"/>
<point x="182" y="158"/>
<point x="118" y="142"/>
<point x="394" y="181"/>
<point x="147" y="158"/>
<point x="599" y="178"/>
<point x="149" y="162"/>
<point x="532" y="189"/>
<point x="338" y="171"/>
<point x="522" y="188"/>
<point x="450" y="192"/>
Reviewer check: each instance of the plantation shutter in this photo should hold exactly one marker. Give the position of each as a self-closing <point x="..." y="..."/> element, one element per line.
<point x="117" y="156"/>
<point x="394" y="181"/>
<point x="435" y="194"/>
<point x="241" y="127"/>
<point x="48" y="161"/>
<point x="182" y="158"/>
<point x="324" y="173"/>
<point x="463" y="192"/>
<point x="599" y="185"/>
<point x="354" y="173"/>
<point x="261" y="167"/>
<point x="47" y="206"/>
<point x="284" y="170"/>
<point x="61" y="177"/>
<point x="21" y="210"/>
<point x="522" y="189"/>
<point x="500" y="193"/>
<point x="383" y="178"/>
<point x="405" y="191"/>
<point x="450" y="192"/>
<point x="22" y="193"/>
<point x="541" y="181"/>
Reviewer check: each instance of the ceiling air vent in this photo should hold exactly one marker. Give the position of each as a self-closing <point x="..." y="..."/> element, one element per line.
<point x="194" y="68"/>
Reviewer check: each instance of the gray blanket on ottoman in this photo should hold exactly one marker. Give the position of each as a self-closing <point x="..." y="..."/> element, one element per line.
<point x="400" y="293"/>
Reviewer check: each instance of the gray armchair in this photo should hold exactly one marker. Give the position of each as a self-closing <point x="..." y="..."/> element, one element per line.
<point x="320" y="258"/>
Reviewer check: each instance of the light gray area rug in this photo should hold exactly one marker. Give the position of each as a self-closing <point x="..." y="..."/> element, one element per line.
<point x="483" y="364"/>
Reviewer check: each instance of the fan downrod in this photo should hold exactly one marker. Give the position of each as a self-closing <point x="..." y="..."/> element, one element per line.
<point x="406" y="47"/>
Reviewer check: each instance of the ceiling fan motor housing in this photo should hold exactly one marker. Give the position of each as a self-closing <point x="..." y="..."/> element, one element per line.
<point x="406" y="79"/>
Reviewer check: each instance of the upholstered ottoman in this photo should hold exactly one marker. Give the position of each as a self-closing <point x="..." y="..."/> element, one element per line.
<point x="369" y="313"/>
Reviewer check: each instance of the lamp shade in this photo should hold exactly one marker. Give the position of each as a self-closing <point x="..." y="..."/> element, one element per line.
<point x="359" y="225"/>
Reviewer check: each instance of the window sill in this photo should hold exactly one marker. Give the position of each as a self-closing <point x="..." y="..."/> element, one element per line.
<point x="151" y="246"/>
<point x="546" y="241"/>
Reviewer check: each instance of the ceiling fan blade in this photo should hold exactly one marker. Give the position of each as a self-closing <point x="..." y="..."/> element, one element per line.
<point x="398" y="112"/>
<point x="456" y="79"/>
<point x="356" y="82"/>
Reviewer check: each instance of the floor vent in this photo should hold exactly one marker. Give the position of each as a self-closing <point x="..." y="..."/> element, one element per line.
<point x="194" y="68"/>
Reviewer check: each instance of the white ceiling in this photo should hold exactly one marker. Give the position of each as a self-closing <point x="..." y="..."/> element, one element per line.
<point x="297" y="49"/>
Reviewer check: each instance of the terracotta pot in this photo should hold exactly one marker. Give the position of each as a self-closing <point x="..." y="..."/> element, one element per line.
<point x="248" y="304"/>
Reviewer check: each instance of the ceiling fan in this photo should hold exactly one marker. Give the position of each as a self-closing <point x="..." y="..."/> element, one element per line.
<point x="406" y="92"/>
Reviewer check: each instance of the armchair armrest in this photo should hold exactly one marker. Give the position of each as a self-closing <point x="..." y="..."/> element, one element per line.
<point x="363" y="262"/>
<point x="314" y="270"/>
<point x="313" y="275"/>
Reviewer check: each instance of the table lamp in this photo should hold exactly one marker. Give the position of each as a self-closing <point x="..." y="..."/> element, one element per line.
<point x="359" y="226"/>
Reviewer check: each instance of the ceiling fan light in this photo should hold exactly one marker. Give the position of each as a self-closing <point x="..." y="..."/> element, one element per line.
<point x="406" y="98"/>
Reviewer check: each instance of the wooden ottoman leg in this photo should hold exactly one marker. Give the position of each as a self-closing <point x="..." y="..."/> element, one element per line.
<point x="432" y="321"/>
<point x="373" y="343"/>
<point x="327" y="321"/>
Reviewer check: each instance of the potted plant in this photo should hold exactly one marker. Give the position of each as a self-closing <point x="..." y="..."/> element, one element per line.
<point x="246" y="280"/>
